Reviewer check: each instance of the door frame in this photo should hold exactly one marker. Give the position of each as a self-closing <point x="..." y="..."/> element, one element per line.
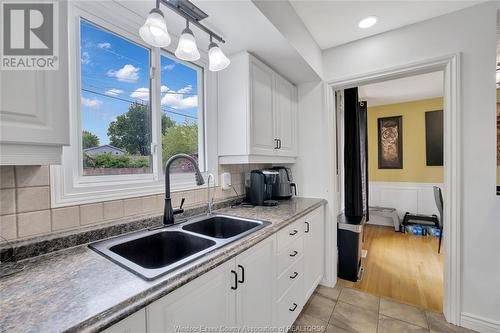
<point x="452" y="185"/>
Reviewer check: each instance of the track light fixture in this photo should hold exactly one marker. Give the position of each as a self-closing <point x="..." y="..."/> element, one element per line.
<point x="187" y="49"/>
<point x="217" y="59"/>
<point x="155" y="33"/>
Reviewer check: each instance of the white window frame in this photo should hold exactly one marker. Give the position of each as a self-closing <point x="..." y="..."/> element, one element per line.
<point x="68" y="185"/>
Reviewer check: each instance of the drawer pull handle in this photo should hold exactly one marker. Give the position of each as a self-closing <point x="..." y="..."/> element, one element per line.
<point x="235" y="280"/>
<point x="242" y="274"/>
<point x="307" y="227"/>
<point x="293" y="254"/>
<point x="295" y="274"/>
<point x="294" y="232"/>
<point x="294" y="307"/>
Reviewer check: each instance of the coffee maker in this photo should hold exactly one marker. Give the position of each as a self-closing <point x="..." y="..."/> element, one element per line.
<point x="282" y="188"/>
<point x="259" y="187"/>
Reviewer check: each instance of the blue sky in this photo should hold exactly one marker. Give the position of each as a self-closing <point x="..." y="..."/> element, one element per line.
<point x="115" y="72"/>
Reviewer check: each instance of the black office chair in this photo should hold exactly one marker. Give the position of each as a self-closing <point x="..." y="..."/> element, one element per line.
<point x="438" y="197"/>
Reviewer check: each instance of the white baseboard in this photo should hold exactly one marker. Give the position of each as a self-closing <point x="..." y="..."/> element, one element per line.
<point x="479" y="324"/>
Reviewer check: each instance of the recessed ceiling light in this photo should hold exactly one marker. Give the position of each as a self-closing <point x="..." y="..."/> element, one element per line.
<point x="367" y="22"/>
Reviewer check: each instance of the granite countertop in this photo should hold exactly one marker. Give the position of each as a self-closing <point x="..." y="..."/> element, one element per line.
<point x="77" y="289"/>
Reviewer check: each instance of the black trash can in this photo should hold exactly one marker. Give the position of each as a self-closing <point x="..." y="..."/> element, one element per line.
<point x="350" y="244"/>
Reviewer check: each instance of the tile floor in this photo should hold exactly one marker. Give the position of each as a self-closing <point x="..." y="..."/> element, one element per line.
<point x="343" y="309"/>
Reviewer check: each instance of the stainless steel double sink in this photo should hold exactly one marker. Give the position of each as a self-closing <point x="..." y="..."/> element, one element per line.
<point x="155" y="252"/>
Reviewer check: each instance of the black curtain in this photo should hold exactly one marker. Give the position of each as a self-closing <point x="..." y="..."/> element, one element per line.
<point x="355" y="155"/>
<point x="363" y="133"/>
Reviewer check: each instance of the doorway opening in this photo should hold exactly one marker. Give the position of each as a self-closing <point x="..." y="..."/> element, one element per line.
<point x="449" y="260"/>
<point x="403" y="125"/>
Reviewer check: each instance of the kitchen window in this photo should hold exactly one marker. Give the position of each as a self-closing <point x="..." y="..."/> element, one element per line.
<point x="133" y="108"/>
<point x="115" y="113"/>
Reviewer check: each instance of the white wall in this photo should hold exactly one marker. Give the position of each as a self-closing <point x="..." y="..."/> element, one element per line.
<point x="282" y="15"/>
<point x="311" y="172"/>
<point x="471" y="32"/>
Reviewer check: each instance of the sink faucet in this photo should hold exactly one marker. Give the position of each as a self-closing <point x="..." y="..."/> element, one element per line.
<point x="168" y="213"/>
<point x="210" y="200"/>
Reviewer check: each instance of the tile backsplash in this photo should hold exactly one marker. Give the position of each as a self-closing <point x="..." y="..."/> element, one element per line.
<point x="25" y="209"/>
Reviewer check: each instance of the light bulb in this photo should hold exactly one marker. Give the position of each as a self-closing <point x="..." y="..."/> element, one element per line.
<point x="187" y="49"/>
<point x="154" y="31"/>
<point x="217" y="59"/>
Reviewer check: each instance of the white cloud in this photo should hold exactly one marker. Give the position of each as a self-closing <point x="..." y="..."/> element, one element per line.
<point x="91" y="103"/>
<point x="169" y="67"/>
<point x="186" y="89"/>
<point x="179" y="101"/>
<point x="164" y="89"/>
<point x="127" y="73"/>
<point x="141" y="93"/>
<point x="85" y="59"/>
<point x="104" y="45"/>
<point x="114" y="92"/>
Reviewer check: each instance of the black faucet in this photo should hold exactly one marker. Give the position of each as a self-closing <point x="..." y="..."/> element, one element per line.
<point x="168" y="213"/>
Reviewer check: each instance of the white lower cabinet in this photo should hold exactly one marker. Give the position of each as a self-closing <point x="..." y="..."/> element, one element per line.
<point x="207" y="301"/>
<point x="289" y="281"/>
<point x="135" y="323"/>
<point x="260" y="288"/>
<point x="237" y="293"/>
<point x="254" y="306"/>
<point x="314" y="250"/>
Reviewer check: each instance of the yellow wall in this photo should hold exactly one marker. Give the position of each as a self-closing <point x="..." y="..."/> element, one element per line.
<point x="414" y="169"/>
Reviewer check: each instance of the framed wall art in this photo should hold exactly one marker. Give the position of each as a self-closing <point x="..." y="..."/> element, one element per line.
<point x="390" y="142"/>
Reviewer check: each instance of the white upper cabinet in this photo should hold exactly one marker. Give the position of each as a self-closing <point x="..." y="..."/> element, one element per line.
<point x="262" y="105"/>
<point x="34" y="117"/>
<point x="286" y="117"/>
<point x="257" y="113"/>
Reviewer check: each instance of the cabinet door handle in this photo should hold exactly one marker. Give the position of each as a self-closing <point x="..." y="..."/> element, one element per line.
<point x="294" y="307"/>
<point x="242" y="274"/>
<point x="279" y="143"/>
<point x="276" y="142"/>
<point x="307" y="227"/>
<point x="294" y="232"/>
<point x="235" y="286"/>
<point x="295" y="274"/>
<point x="293" y="254"/>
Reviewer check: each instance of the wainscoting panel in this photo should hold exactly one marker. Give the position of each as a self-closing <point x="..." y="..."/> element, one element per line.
<point x="416" y="198"/>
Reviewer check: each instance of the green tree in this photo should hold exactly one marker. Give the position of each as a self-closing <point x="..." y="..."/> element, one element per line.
<point x="180" y="139"/>
<point x="89" y="140"/>
<point x="166" y="123"/>
<point x="131" y="131"/>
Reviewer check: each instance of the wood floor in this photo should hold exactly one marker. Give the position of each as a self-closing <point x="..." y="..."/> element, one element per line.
<point x="403" y="267"/>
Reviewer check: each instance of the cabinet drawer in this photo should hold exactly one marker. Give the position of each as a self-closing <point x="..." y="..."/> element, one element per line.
<point x="290" y="305"/>
<point x="289" y="276"/>
<point x="289" y="255"/>
<point x="289" y="233"/>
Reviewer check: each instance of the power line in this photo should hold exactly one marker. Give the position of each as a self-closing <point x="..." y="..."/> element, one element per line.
<point x="132" y="91"/>
<point x="129" y="101"/>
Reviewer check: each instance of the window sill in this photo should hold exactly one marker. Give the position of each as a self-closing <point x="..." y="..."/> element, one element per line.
<point x="63" y="195"/>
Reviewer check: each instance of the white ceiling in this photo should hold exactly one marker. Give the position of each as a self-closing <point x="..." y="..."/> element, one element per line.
<point x="332" y="23"/>
<point x="243" y="27"/>
<point x="407" y="89"/>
